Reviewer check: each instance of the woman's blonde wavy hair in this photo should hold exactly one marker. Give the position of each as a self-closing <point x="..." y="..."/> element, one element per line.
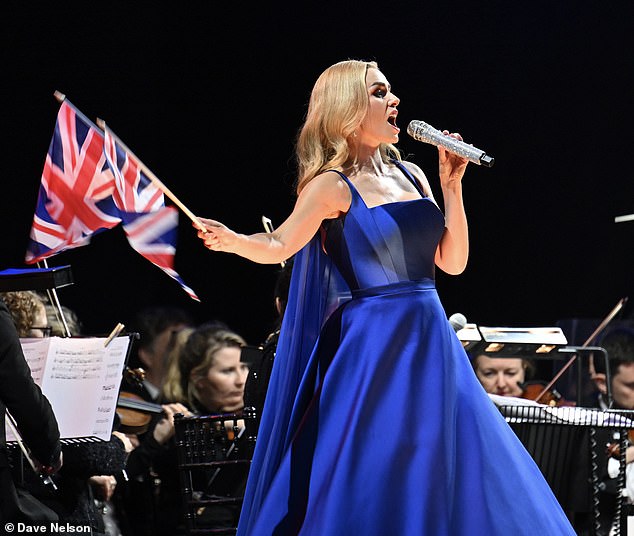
<point x="337" y="106"/>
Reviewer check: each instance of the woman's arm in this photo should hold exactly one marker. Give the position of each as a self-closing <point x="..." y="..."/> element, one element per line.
<point x="453" y="250"/>
<point x="326" y="196"/>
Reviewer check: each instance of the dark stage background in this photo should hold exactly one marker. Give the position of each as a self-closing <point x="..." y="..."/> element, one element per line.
<point x="210" y="96"/>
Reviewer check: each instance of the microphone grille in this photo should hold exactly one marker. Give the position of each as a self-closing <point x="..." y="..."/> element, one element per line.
<point x="458" y="321"/>
<point x="419" y="130"/>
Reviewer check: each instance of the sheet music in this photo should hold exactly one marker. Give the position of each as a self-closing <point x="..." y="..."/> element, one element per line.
<point x="81" y="379"/>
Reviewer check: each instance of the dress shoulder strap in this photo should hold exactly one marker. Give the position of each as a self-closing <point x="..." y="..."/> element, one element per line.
<point x="343" y="176"/>
<point x="409" y="175"/>
<point x="353" y="190"/>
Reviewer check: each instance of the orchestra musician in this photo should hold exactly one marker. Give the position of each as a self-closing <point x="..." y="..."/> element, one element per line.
<point x="204" y="376"/>
<point x="32" y="412"/>
<point x="619" y="344"/>
<point x="504" y="376"/>
<point x="157" y="327"/>
<point x="73" y="500"/>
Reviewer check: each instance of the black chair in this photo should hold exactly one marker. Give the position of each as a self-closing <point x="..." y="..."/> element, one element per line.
<point x="214" y="457"/>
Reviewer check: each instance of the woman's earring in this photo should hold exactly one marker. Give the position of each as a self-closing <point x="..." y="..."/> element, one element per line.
<point x="354" y="134"/>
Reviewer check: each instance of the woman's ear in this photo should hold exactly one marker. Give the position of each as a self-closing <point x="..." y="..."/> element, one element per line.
<point x="599" y="380"/>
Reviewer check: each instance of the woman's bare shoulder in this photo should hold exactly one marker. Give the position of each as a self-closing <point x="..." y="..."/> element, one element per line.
<point x="331" y="188"/>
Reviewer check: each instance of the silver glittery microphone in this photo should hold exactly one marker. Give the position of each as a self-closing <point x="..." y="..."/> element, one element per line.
<point x="421" y="131"/>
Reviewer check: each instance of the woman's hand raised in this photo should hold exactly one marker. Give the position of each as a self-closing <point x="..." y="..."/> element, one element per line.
<point x="216" y="236"/>
<point x="451" y="167"/>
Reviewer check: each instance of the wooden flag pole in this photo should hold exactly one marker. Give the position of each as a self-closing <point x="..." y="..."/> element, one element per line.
<point x="102" y="124"/>
<point x="62" y="98"/>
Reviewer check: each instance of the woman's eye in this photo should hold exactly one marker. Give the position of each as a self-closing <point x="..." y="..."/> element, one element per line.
<point x="380" y="93"/>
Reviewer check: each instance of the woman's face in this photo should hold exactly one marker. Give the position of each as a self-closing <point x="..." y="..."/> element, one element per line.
<point x="222" y="389"/>
<point x="501" y="375"/>
<point x="379" y="125"/>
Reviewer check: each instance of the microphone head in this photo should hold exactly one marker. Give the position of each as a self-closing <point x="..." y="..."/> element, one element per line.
<point x="458" y="321"/>
<point x="419" y="130"/>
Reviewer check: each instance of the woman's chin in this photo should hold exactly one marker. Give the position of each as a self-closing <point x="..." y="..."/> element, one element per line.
<point x="232" y="408"/>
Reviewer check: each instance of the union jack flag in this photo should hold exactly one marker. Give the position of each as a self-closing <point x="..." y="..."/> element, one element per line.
<point x="76" y="190"/>
<point x="90" y="184"/>
<point x="151" y="227"/>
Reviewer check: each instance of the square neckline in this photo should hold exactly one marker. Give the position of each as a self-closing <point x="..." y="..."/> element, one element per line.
<point x="422" y="195"/>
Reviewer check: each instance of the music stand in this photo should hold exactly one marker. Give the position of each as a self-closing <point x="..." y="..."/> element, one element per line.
<point x="39" y="279"/>
<point x="553" y="440"/>
<point x="14" y="279"/>
<point x="528" y="343"/>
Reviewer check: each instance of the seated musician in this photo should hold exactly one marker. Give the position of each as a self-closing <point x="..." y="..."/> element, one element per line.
<point x="205" y="376"/>
<point x="619" y="344"/>
<point x="73" y="500"/>
<point x="504" y="376"/>
<point x="33" y="415"/>
<point x="514" y="377"/>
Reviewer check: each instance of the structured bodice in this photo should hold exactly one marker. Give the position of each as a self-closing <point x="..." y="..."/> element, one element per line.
<point x="386" y="244"/>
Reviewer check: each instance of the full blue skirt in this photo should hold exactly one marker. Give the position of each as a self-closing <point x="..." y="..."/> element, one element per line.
<point x="394" y="435"/>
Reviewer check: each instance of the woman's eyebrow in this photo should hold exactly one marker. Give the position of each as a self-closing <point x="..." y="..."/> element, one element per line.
<point x="388" y="86"/>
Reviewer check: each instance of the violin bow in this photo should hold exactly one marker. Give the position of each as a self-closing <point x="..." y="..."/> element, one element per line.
<point x="268" y="227"/>
<point x="13" y="427"/>
<point x="594" y="334"/>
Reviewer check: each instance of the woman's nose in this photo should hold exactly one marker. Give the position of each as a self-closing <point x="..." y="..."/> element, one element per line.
<point x="241" y="378"/>
<point x="501" y="380"/>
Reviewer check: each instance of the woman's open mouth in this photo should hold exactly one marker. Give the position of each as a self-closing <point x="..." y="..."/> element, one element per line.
<point x="392" y="121"/>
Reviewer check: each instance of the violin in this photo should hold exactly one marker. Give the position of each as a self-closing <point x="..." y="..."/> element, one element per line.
<point x="534" y="390"/>
<point x="613" y="450"/>
<point x="135" y="413"/>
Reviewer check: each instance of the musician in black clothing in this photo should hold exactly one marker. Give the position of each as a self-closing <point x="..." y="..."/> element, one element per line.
<point x="619" y="344"/>
<point x="73" y="500"/>
<point x="30" y="408"/>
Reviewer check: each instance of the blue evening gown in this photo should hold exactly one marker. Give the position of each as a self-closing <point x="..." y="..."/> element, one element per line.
<point x="374" y="422"/>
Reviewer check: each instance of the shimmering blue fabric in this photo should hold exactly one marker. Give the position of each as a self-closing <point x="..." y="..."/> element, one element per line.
<point x="374" y="422"/>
